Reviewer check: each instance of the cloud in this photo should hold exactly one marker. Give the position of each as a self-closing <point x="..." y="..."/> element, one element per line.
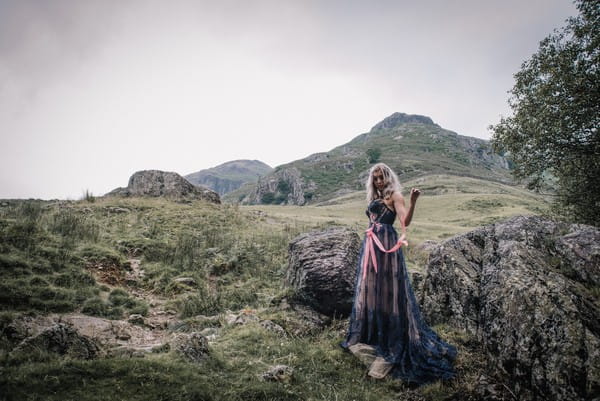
<point x="91" y="91"/>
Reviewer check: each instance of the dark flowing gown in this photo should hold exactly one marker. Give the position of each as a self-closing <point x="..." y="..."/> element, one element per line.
<point x="386" y="315"/>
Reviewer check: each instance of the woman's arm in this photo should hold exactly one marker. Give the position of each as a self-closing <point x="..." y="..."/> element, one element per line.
<point x="400" y="209"/>
<point x="414" y="194"/>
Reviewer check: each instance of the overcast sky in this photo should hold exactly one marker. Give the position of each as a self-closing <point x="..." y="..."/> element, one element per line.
<point x="92" y="91"/>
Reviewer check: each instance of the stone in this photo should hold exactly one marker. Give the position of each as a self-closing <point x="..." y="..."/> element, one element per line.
<point x="61" y="339"/>
<point x="186" y="280"/>
<point x="156" y="183"/>
<point x="193" y="346"/>
<point x="527" y="289"/>
<point x="274" y="327"/>
<point x="136" y="318"/>
<point x="279" y="373"/>
<point x="322" y="270"/>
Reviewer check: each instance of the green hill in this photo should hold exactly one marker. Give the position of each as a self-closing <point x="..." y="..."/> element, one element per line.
<point x="229" y="176"/>
<point x="412" y="145"/>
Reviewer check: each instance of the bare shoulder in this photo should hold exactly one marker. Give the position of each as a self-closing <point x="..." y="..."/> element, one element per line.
<point x="397" y="196"/>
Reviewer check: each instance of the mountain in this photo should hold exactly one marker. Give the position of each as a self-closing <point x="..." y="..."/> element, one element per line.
<point x="412" y="145"/>
<point x="229" y="176"/>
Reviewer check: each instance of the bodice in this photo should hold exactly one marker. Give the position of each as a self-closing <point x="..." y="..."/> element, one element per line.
<point x="379" y="212"/>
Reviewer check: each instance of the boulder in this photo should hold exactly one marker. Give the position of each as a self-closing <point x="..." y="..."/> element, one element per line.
<point x="156" y="183"/>
<point x="527" y="288"/>
<point x="61" y="339"/>
<point x="193" y="346"/>
<point x="322" y="270"/>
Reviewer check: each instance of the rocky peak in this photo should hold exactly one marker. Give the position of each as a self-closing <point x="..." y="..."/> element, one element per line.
<point x="402" y="118"/>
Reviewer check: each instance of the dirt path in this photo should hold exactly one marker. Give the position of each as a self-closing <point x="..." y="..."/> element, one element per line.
<point x="132" y="335"/>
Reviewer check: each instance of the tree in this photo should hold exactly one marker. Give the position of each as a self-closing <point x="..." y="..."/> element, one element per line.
<point x="555" y="103"/>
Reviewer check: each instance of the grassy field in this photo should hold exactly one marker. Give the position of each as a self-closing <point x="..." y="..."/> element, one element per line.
<point x="52" y="251"/>
<point x="448" y="205"/>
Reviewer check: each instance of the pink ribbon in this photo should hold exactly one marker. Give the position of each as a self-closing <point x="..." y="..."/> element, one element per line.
<point x="373" y="240"/>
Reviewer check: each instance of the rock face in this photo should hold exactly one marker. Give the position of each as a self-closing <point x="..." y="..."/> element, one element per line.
<point x="285" y="186"/>
<point x="528" y="289"/>
<point x="158" y="183"/>
<point x="322" y="269"/>
<point x="402" y="118"/>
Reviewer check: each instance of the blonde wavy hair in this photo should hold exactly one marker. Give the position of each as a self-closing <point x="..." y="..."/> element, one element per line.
<point x="392" y="183"/>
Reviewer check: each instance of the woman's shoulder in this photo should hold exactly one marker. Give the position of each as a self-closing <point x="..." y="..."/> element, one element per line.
<point x="396" y="195"/>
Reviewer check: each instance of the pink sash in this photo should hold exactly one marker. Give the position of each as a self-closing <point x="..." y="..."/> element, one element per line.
<point x="373" y="240"/>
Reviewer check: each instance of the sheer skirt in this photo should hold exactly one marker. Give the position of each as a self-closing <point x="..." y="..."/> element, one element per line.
<point x="385" y="314"/>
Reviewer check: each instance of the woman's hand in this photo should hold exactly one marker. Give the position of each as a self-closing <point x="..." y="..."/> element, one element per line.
<point x="402" y="238"/>
<point x="414" y="194"/>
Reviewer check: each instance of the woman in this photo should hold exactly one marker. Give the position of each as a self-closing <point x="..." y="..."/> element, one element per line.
<point x="386" y="330"/>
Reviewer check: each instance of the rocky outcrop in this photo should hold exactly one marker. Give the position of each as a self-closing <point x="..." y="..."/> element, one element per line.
<point x="527" y="288"/>
<point x="285" y="186"/>
<point x="61" y="339"/>
<point x="156" y="183"/>
<point x="322" y="269"/>
<point x="402" y="118"/>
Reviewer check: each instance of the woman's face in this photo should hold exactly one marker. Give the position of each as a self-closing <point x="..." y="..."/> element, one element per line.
<point x="378" y="179"/>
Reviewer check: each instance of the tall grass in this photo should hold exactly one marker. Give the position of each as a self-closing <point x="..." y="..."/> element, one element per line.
<point x="228" y="258"/>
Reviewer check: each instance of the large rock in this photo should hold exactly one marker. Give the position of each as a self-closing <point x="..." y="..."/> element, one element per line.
<point x="528" y="289"/>
<point x="61" y="339"/>
<point x="158" y="183"/>
<point x="284" y="186"/>
<point x="322" y="269"/>
<point x="193" y="346"/>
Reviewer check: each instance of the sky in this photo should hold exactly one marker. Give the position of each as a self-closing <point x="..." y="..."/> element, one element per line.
<point x="92" y="91"/>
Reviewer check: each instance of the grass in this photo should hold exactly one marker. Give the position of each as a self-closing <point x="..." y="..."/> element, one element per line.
<point x="449" y="205"/>
<point x="233" y="258"/>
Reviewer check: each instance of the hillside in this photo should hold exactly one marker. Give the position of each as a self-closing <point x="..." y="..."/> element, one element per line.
<point x="135" y="271"/>
<point x="412" y="145"/>
<point x="229" y="176"/>
<point x="448" y="205"/>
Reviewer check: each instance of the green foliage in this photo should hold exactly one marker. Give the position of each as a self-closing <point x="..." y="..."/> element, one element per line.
<point x="201" y="303"/>
<point x="268" y="198"/>
<point x="283" y="187"/>
<point x="556" y="114"/>
<point x="88" y="196"/>
<point x="119" y="302"/>
<point x="110" y="378"/>
<point x="373" y="155"/>
<point x="73" y="226"/>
